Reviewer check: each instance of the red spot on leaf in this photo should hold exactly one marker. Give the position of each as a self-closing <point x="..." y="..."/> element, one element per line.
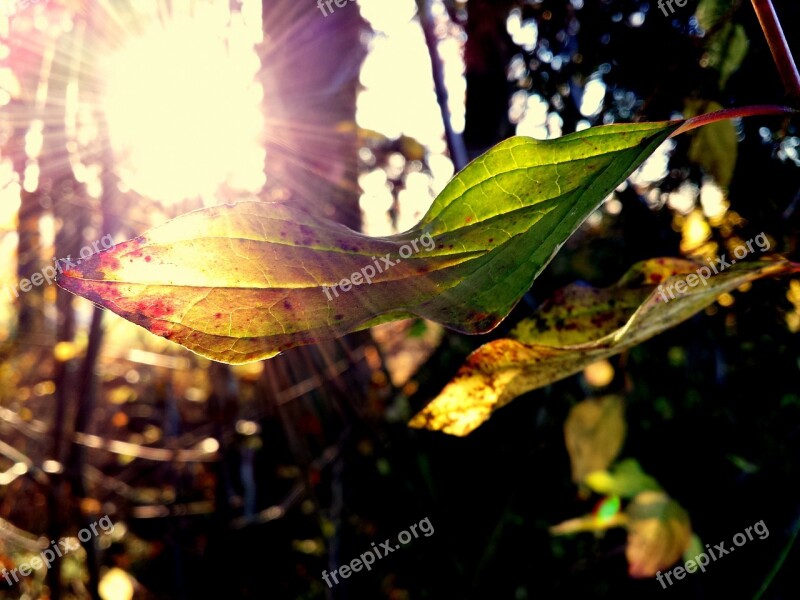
<point x="105" y="261"/>
<point x="162" y="328"/>
<point x="155" y="309"/>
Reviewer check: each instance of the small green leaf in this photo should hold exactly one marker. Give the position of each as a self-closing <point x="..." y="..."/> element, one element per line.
<point x="607" y="508"/>
<point x="727" y="43"/>
<point x="625" y="480"/>
<point x="694" y="549"/>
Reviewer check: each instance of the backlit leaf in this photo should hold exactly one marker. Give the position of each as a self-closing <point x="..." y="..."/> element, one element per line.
<point x="581" y="325"/>
<point x="625" y="480"/>
<point x="594" y="432"/>
<point x="588" y="522"/>
<point x="715" y="146"/>
<point x="694" y="548"/>
<point x="726" y="42"/>
<point x="238" y="283"/>
<point x="659" y="532"/>
<point x="605" y="515"/>
<point x="607" y="508"/>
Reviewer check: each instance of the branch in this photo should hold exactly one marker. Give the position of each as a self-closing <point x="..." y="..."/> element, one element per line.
<point x="145" y="452"/>
<point x="455" y="143"/>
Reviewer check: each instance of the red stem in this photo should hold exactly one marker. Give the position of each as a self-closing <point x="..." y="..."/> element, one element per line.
<point x="732" y="113"/>
<point x="780" y="49"/>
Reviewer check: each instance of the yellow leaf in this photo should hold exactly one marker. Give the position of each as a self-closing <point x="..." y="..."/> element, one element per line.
<point x="659" y="532"/>
<point x="626" y="480"/>
<point x="594" y="432"/>
<point x="580" y="326"/>
<point x="588" y="523"/>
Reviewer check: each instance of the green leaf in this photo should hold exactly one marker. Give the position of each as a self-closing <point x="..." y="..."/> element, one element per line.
<point x="727" y="42"/>
<point x="238" y="283"/>
<point x="579" y="326"/>
<point x="694" y="549"/>
<point x="625" y="480"/>
<point x="715" y="146"/>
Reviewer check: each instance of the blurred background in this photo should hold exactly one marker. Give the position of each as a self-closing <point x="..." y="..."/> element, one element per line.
<point x="249" y="481"/>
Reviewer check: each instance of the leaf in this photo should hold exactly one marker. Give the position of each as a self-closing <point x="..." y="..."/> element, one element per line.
<point x="581" y="325"/>
<point x="607" y="508"/>
<point x="625" y="480"/>
<point x="693" y="549"/>
<point x="605" y="515"/>
<point x="659" y="532"/>
<point x="727" y="42"/>
<point x="713" y="147"/>
<point x="594" y="432"/>
<point x="238" y="283"/>
<point x="590" y="522"/>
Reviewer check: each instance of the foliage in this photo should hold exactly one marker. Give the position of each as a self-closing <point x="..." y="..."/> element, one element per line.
<point x="495" y="227"/>
<point x="579" y="326"/>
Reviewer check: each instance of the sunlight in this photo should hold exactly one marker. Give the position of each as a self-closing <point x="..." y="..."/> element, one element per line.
<point x="398" y="99"/>
<point x="184" y="110"/>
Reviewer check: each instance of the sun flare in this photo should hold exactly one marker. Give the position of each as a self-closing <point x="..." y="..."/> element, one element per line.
<point x="183" y="110"/>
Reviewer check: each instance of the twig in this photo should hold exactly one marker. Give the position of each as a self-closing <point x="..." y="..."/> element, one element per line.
<point x="455" y="143"/>
<point x="779" y="563"/>
<point x="779" y="47"/>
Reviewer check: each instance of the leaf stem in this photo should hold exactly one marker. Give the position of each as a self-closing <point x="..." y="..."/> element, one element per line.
<point x="779" y="47"/>
<point x="733" y="113"/>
